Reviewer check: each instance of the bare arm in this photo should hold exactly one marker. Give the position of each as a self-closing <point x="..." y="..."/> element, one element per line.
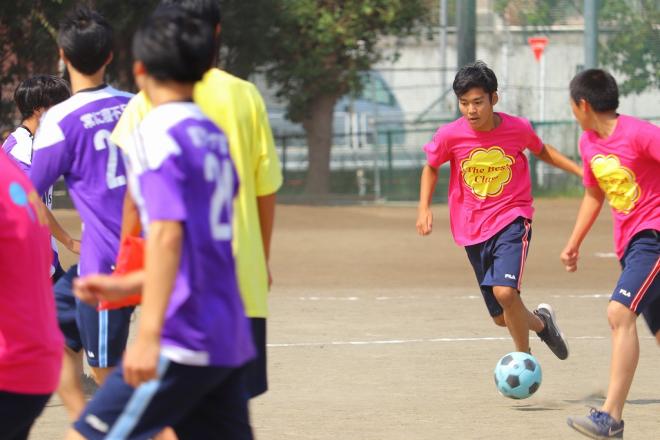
<point x="92" y="289"/>
<point x="587" y="215"/>
<point x="427" y="187"/>
<point x="130" y="218"/>
<point x="163" y="254"/>
<point x="60" y="233"/>
<point x="266" y="207"/>
<point x="552" y="156"/>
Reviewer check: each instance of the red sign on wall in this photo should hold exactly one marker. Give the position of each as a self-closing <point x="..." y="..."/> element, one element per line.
<point x="538" y="45"/>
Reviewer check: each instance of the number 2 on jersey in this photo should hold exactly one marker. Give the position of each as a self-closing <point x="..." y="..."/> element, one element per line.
<point x="101" y="142"/>
<point x="223" y="195"/>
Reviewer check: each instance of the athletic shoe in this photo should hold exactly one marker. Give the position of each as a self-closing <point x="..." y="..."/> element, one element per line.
<point x="551" y="334"/>
<point x="89" y="385"/>
<point x="598" y="425"/>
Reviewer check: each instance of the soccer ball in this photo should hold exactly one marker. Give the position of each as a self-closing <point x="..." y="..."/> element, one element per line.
<point x="518" y="375"/>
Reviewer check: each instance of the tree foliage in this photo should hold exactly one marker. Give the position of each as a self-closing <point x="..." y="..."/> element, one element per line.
<point x="630" y="29"/>
<point x="319" y="47"/>
<point x="633" y="46"/>
<point x="28" y="41"/>
<point x="245" y="34"/>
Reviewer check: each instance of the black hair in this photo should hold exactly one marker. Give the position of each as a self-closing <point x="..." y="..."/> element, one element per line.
<point x="174" y="45"/>
<point x="597" y="87"/>
<point x="40" y="91"/>
<point x="207" y="10"/>
<point x="475" y="75"/>
<point x="86" y="38"/>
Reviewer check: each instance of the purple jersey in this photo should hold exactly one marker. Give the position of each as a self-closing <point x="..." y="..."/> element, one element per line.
<point x="181" y="170"/>
<point x="73" y="141"/>
<point x="18" y="147"/>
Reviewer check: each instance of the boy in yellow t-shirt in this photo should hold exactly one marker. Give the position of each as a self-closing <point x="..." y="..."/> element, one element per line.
<point x="237" y="107"/>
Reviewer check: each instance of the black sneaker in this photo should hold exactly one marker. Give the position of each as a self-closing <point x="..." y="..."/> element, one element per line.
<point x="551" y="334"/>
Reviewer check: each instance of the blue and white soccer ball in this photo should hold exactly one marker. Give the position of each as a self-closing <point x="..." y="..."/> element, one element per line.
<point x="518" y="375"/>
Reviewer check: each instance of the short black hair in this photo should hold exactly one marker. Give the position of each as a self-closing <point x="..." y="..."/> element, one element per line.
<point x="40" y="91"/>
<point x="174" y="45"/>
<point x="475" y="75"/>
<point x="207" y="10"/>
<point x="86" y="38"/>
<point x="597" y="87"/>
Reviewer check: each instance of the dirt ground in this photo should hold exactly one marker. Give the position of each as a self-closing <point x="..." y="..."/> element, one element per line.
<point x="378" y="334"/>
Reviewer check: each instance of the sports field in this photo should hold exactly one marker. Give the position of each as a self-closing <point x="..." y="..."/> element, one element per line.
<point x="378" y="334"/>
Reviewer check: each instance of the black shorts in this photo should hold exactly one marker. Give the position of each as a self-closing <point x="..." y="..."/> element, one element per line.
<point x="197" y="402"/>
<point x="256" y="371"/>
<point x="18" y="412"/>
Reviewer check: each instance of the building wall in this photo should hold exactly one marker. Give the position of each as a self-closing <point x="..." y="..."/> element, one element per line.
<point x="416" y="76"/>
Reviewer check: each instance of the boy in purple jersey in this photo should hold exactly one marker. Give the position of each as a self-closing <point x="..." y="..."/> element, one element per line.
<point x="184" y="369"/>
<point x="33" y="97"/>
<point x="72" y="141"/>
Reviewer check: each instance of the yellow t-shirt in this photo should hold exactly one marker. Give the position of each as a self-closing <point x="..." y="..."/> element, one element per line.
<point x="235" y="106"/>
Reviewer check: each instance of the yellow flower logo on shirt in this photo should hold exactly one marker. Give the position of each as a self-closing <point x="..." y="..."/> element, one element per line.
<point x="617" y="182"/>
<point x="487" y="171"/>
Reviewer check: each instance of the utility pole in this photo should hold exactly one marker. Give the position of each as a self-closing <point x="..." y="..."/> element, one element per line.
<point x="466" y="11"/>
<point x="443" y="45"/>
<point x="590" y="34"/>
<point x="466" y="15"/>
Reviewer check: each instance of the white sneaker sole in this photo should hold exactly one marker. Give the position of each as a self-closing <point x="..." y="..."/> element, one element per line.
<point x="549" y="308"/>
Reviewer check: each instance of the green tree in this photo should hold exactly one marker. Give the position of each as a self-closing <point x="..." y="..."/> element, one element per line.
<point x="28" y="41"/>
<point x="632" y="46"/>
<point x="630" y="30"/>
<point x="244" y="36"/>
<point x="318" y="49"/>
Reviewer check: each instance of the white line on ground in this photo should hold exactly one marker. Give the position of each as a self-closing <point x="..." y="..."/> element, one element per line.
<point x="605" y="255"/>
<point x="421" y="340"/>
<point x="415" y="297"/>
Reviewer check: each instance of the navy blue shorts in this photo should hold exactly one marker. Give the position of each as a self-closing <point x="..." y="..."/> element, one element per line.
<point x="255" y="370"/>
<point x="18" y="412"/>
<point x="639" y="286"/>
<point x="197" y="402"/>
<point x="66" y="308"/>
<point x="59" y="272"/>
<point x="500" y="260"/>
<point x="102" y="335"/>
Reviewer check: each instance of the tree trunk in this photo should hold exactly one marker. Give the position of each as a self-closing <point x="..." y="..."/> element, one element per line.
<point x="318" y="131"/>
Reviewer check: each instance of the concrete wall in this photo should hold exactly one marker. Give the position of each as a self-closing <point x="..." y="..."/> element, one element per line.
<point x="417" y="82"/>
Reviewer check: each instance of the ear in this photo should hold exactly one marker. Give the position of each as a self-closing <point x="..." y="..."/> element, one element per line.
<point x="217" y="31"/>
<point x="138" y="68"/>
<point x="494" y="97"/>
<point x="584" y="106"/>
<point x="139" y="73"/>
<point x="110" y="58"/>
<point x="63" y="57"/>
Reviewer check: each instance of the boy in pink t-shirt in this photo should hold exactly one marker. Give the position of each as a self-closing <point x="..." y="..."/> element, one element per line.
<point x="490" y="201"/>
<point x="30" y="341"/>
<point x="621" y="157"/>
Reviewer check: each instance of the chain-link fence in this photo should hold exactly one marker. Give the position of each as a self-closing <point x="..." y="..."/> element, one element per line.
<point x="389" y="169"/>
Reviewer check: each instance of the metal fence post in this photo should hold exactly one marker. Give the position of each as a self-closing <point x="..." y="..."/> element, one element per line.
<point x="284" y="158"/>
<point x="390" y="165"/>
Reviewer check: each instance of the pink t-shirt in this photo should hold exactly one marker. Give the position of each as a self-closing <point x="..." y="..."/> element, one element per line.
<point x="31" y="344"/>
<point x="489" y="183"/>
<point x="626" y="166"/>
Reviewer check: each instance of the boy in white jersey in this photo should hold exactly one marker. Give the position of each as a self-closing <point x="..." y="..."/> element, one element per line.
<point x="73" y="141"/>
<point x="33" y="97"/>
